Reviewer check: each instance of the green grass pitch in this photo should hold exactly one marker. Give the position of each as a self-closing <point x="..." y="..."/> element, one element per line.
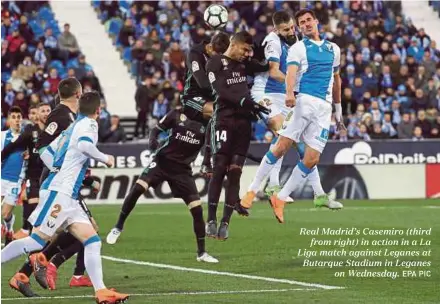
<point x="259" y="248"/>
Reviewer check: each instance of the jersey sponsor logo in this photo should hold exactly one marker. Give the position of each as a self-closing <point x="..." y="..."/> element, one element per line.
<point x="211" y="77"/>
<point x="195" y="66"/>
<point x="51" y="128"/>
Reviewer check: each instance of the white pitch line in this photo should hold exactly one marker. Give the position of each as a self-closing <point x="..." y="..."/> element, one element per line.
<point x="229" y="274"/>
<point x="183" y="293"/>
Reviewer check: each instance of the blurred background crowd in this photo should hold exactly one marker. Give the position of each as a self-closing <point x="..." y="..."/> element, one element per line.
<point x="389" y="67"/>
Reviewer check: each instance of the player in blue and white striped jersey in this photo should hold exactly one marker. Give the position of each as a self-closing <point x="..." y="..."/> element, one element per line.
<point x="312" y="72"/>
<point x="13" y="169"/>
<point x="270" y="88"/>
<point x="58" y="208"/>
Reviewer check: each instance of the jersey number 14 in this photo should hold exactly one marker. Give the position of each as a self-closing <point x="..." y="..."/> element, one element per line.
<point x="220" y="135"/>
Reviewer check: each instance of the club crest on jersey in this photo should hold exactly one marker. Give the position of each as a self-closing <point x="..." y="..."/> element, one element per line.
<point x="182" y="117"/>
<point x="51" y="128"/>
<point x="195" y="66"/>
<point x="94" y="127"/>
<point x="211" y="77"/>
<point x="224" y="62"/>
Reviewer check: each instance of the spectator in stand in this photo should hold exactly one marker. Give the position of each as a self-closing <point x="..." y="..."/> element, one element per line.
<point x="92" y="81"/>
<point x="405" y="127"/>
<point x="14" y="40"/>
<point x="67" y="42"/>
<point x="22" y="102"/>
<point x="395" y="112"/>
<point x="16" y="82"/>
<point x="144" y="100"/>
<point x="420" y="102"/>
<point x="160" y="106"/>
<point x="41" y="55"/>
<point x="423" y="123"/>
<point x="53" y="80"/>
<point x="82" y="68"/>
<point x="6" y="57"/>
<point x="27" y="69"/>
<point x="46" y="95"/>
<point x="377" y="132"/>
<point x="26" y="31"/>
<point x="127" y="34"/>
<point x="39" y="78"/>
<point x="349" y="104"/>
<point x="387" y="126"/>
<point x="114" y="134"/>
<point x="418" y="134"/>
<point x="421" y="77"/>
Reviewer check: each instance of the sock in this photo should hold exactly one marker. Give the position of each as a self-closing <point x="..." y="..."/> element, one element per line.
<point x="92" y="260"/>
<point x="63" y="241"/>
<point x="232" y="192"/>
<point x="9" y="223"/>
<point x="207" y="153"/>
<point x="297" y="178"/>
<point x="267" y="164"/>
<point x="26" y="268"/>
<point x="80" y="267"/>
<point x="27" y="211"/>
<point x="199" y="228"/>
<point x="274" y="177"/>
<point x="19" y="247"/>
<point x="215" y="185"/>
<point x="129" y="203"/>
<point x="315" y="182"/>
<point x="66" y="253"/>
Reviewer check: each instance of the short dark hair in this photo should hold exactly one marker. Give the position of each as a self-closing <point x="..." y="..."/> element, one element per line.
<point x="68" y="87"/>
<point x="32" y="106"/>
<point x="220" y="42"/>
<point x="280" y="17"/>
<point x="42" y="104"/>
<point x="243" y="37"/>
<point x="15" y="109"/>
<point x="89" y="103"/>
<point x="302" y="12"/>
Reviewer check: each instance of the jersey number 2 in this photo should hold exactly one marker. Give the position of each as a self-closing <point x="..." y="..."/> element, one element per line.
<point x="220" y="135"/>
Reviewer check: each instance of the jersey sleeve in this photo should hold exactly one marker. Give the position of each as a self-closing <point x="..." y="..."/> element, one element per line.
<point x="195" y="64"/>
<point x="89" y="132"/>
<point x="169" y="120"/>
<point x="295" y="54"/>
<point x="272" y="51"/>
<point x="337" y="60"/>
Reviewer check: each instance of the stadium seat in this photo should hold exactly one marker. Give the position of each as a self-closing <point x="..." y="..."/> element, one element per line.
<point x="114" y="27"/>
<point x="72" y="63"/>
<point x="126" y="55"/>
<point x="58" y="65"/>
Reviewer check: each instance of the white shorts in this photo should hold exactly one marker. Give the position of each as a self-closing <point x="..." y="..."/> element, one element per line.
<point x="56" y="211"/>
<point x="277" y="102"/>
<point x="11" y="191"/>
<point x="309" y="122"/>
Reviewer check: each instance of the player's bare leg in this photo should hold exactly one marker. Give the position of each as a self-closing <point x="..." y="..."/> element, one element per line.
<point x="129" y="202"/>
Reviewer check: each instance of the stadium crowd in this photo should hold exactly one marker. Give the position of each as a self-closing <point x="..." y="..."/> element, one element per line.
<point x="390" y="69"/>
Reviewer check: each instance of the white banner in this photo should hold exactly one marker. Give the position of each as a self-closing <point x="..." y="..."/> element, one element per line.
<point x="343" y="181"/>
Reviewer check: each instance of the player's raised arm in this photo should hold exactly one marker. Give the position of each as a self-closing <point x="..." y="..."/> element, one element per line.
<point x="19" y="143"/>
<point x="167" y="122"/>
<point x="198" y="70"/>
<point x="293" y="65"/>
